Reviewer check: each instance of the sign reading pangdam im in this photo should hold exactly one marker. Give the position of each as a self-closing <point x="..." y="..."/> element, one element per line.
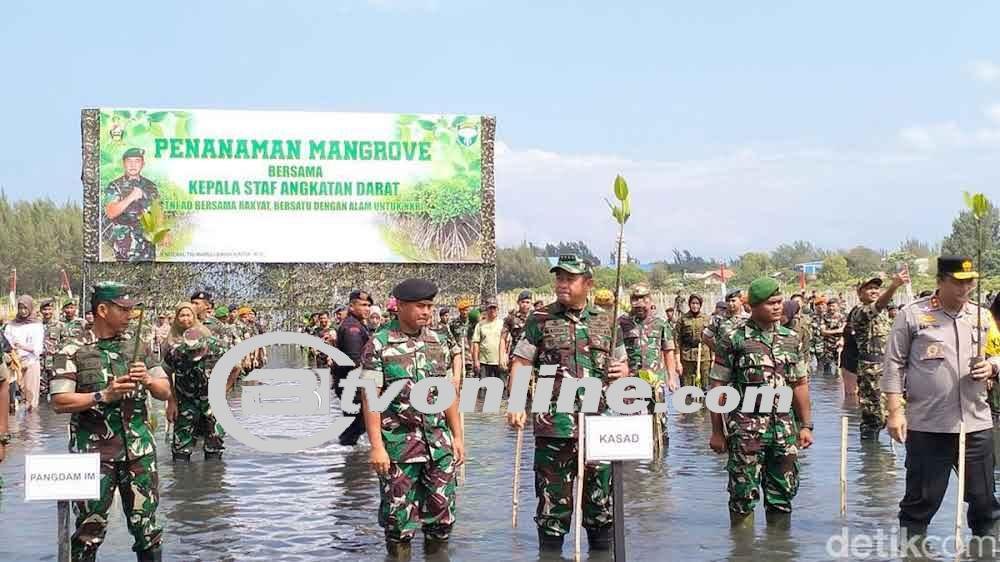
<point x="62" y="477"/>
<point x="270" y="186"/>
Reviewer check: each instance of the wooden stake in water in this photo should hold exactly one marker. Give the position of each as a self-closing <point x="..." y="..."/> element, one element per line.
<point x="843" y="466"/>
<point x="63" y="530"/>
<point x="961" y="487"/>
<point x="517" y="477"/>
<point x="578" y="500"/>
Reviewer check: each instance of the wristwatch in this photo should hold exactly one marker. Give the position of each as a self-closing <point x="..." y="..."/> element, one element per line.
<point x="98" y="397"/>
<point x="808" y="426"/>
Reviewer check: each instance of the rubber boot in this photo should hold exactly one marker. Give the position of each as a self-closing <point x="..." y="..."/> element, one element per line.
<point x="149" y="555"/>
<point x="213" y="455"/>
<point x="433" y="546"/>
<point x="599" y="538"/>
<point x="778" y="519"/>
<point x="741" y="520"/>
<point x="913" y="544"/>
<point x="984" y="541"/>
<point x="186" y="457"/>
<point x="398" y="550"/>
<point x="549" y="543"/>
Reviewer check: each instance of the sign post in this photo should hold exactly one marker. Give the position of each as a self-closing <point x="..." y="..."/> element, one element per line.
<point x="62" y="478"/>
<point x="618" y="439"/>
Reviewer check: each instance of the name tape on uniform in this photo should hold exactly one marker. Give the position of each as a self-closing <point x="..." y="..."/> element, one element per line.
<point x="619" y="438"/>
<point x="62" y="477"/>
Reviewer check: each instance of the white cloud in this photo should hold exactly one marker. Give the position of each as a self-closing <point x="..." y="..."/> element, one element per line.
<point x="931" y="137"/>
<point x="984" y="70"/>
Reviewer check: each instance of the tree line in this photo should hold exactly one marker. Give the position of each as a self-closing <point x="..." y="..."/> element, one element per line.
<point x="40" y="237"/>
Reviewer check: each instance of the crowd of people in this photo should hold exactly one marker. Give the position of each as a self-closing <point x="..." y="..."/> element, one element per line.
<point x="925" y="371"/>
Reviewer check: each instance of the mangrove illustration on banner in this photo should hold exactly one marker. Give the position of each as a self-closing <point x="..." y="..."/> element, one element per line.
<point x="277" y="186"/>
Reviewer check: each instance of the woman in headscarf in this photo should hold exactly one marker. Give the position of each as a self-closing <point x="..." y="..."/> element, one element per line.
<point x="189" y="355"/>
<point x="27" y="336"/>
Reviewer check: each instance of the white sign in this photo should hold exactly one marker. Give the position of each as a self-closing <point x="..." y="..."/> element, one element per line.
<point x="619" y="438"/>
<point x="62" y="477"/>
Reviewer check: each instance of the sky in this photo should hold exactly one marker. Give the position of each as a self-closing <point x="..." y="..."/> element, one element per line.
<point x="739" y="126"/>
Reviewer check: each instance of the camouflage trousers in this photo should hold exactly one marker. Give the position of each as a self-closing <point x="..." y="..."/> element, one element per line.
<point x="765" y="460"/>
<point x="870" y="396"/>
<point x="689" y="373"/>
<point x="195" y="420"/>
<point x="555" y="471"/>
<point x="137" y="482"/>
<point x="418" y="495"/>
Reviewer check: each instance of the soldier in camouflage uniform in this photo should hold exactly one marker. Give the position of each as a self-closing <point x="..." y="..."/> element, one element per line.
<point x="52" y="328"/>
<point x="72" y="325"/>
<point x="414" y="454"/>
<point x="104" y="384"/>
<point x="720" y="323"/>
<point x="763" y="447"/>
<point x="191" y="352"/>
<point x="687" y="336"/>
<point x="461" y="330"/>
<point x="871" y="325"/>
<point x="513" y="328"/>
<point x="576" y="337"/>
<point x="649" y="346"/>
<point x="816" y="323"/>
<point x="832" y="331"/>
<point x="124" y="201"/>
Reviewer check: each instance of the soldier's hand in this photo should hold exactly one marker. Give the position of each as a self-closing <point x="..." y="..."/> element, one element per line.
<point x="901" y="278"/>
<point x="981" y="369"/>
<point x="458" y="450"/>
<point x="617" y="369"/>
<point x="118" y="388"/>
<point x="3" y="452"/>
<point x="516" y="419"/>
<point x="896" y="424"/>
<point x="717" y="442"/>
<point x="136" y="194"/>
<point x="172" y="411"/>
<point x="805" y="438"/>
<point x="137" y="372"/>
<point x="673" y="382"/>
<point x="379" y="459"/>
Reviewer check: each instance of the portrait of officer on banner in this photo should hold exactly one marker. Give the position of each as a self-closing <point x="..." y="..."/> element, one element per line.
<point x="123" y="203"/>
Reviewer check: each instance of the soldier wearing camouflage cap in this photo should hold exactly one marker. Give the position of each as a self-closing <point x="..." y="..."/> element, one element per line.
<point x="649" y="344"/>
<point x="763" y="444"/>
<point x="414" y="454"/>
<point x="104" y="384"/>
<point x="576" y="337"/>
<point x="124" y="200"/>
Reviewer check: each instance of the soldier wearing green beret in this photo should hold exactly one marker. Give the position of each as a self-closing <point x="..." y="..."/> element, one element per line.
<point x="763" y="444"/>
<point x="575" y="336"/>
<point x="124" y="201"/>
<point x="101" y="380"/>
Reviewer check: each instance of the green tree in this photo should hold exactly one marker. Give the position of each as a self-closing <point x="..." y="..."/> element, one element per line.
<point x="659" y="277"/>
<point x="962" y="240"/>
<point x="579" y="248"/>
<point x="604" y="277"/>
<point x="834" y="270"/>
<point x="786" y="256"/>
<point x="915" y="247"/>
<point x="862" y="261"/>
<point x="520" y="268"/>
<point x="39" y="238"/>
<point x="750" y="266"/>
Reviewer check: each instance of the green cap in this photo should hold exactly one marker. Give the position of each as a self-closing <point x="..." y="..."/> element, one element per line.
<point x="762" y="289"/>
<point x="571" y="263"/>
<point x="134" y="153"/>
<point x="221" y="311"/>
<point x="111" y="291"/>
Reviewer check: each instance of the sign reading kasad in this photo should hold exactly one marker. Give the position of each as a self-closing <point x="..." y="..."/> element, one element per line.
<point x="195" y="185"/>
<point x="62" y="477"/>
<point x="619" y="438"/>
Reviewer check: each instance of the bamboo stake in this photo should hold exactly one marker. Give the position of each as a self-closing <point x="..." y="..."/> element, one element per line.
<point x="843" y="466"/>
<point x="517" y="476"/>
<point x="961" y="487"/>
<point x="578" y="500"/>
<point x="697" y="371"/>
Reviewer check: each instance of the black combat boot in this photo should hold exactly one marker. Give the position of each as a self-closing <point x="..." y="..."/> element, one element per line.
<point x="398" y="550"/>
<point x="599" y="538"/>
<point x="433" y="545"/>
<point x="186" y="457"/>
<point x="213" y="455"/>
<point x="149" y="555"/>
<point x="549" y="543"/>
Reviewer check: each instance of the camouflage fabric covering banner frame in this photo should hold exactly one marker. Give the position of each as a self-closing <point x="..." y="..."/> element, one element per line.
<point x="284" y="291"/>
<point x="201" y="185"/>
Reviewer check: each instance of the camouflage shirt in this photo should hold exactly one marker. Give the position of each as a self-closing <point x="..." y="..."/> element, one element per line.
<point x="460" y="335"/>
<point x="871" y="327"/>
<point x="50" y="345"/>
<point x="190" y="361"/>
<point x="578" y="343"/>
<point x="687" y="335"/>
<point x="120" y="430"/>
<point x="391" y="355"/>
<point x="514" y="325"/>
<point x="719" y="324"/>
<point x="833" y="321"/>
<point x="645" y="341"/>
<point x="749" y="356"/>
<point x="124" y="232"/>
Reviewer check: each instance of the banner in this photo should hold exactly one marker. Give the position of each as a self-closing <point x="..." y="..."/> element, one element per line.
<point x="275" y="186"/>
